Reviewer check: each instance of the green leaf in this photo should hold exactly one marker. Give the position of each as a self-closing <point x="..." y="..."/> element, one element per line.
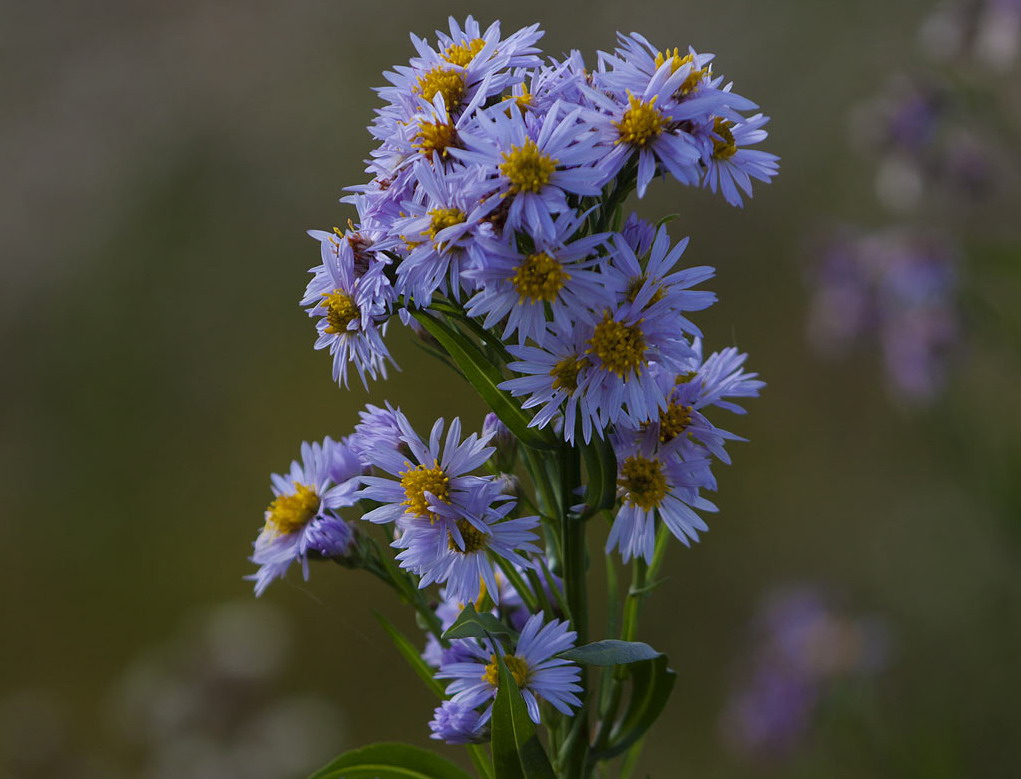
<point x="611" y="652"/>
<point x="487" y="338"/>
<point x="471" y="624"/>
<point x="651" y="685"/>
<point x="389" y="761"/>
<point x="484" y="376"/>
<point x="412" y="654"/>
<point x="517" y="751"/>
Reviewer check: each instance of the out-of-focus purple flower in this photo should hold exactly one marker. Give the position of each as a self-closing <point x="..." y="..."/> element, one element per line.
<point x="898" y="289"/>
<point x="802" y="645"/>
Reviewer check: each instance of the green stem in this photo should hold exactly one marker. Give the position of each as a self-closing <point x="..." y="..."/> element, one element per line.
<point x="572" y="530"/>
<point x="518" y="582"/>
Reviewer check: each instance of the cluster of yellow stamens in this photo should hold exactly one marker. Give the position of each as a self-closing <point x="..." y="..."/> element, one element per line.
<point x="673" y="420"/>
<point x="676" y="63"/>
<point x="620" y="346"/>
<point x="442" y="81"/>
<point x="643" y="481"/>
<point x="463" y="53"/>
<point x="642" y="122"/>
<point x="724" y="146"/>
<point x="519" y="670"/>
<point x="434" y="137"/>
<point x="539" y="277"/>
<point x="474" y="539"/>
<point x="524" y="100"/>
<point x="565" y="373"/>
<point x="527" y="168"/>
<point x="341" y="310"/>
<point x="419" y="480"/>
<point x="442" y="218"/>
<point x="289" y="513"/>
<point x="634" y="286"/>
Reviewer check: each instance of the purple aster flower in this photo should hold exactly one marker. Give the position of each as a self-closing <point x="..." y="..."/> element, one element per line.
<point x="428" y="475"/>
<point x="352" y="303"/>
<point x="521" y="284"/>
<point x="378" y="428"/>
<point x="681" y="428"/>
<point x="458" y="549"/>
<point x="729" y="166"/>
<point x="468" y="61"/>
<point x="456" y="723"/>
<point x="650" y="484"/>
<point x="636" y="61"/>
<point x="553" y="377"/>
<point x="651" y="104"/>
<point x="665" y="292"/>
<point x="622" y="348"/>
<point x="437" y="231"/>
<point x="638" y="233"/>
<point x="536" y="164"/>
<point x="426" y="137"/>
<point x="303" y="515"/>
<point x="539" y="673"/>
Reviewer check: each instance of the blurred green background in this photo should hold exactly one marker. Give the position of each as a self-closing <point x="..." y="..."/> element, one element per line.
<point x="160" y="166"/>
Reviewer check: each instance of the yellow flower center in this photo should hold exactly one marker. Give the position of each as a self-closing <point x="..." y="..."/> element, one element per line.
<point x="474" y="539"/>
<point x="565" y="373"/>
<point x="289" y="513"/>
<point x="684" y="378"/>
<point x="341" y="310"/>
<point x="634" y="286"/>
<point x="620" y="347"/>
<point x="643" y="480"/>
<point x="463" y="53"/>
<point x="518" y="668"/>
<point x="539" y="277"/>
<point x="673" y="420"/>
<point x="419" y="480"/>
<point x="441" y="81"/>
<point x="641" y="123"/>
<point x="441" y="219"/>
<point x="527" y="168"/>
<point x="433" y="137"/>
<point x="676" y="63"/>
<point x="724" y="146"/>
<point x="524" y="100"/>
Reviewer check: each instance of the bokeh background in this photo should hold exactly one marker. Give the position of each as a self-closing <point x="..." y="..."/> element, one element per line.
<point x="161" y="163"/>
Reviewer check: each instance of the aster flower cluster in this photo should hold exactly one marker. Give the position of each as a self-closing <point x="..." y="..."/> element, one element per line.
<point x="493" y="225"/>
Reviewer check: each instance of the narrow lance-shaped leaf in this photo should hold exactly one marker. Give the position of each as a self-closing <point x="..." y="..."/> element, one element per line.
<point x="411" y="653"/>
<point x="611" y="652"/>
<point x="484" y="377"/>
<point x="517" y="751"/>
<point x="389" y="761"/>
<point x="472" y="624"/>
<point x="651" y="685"/>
